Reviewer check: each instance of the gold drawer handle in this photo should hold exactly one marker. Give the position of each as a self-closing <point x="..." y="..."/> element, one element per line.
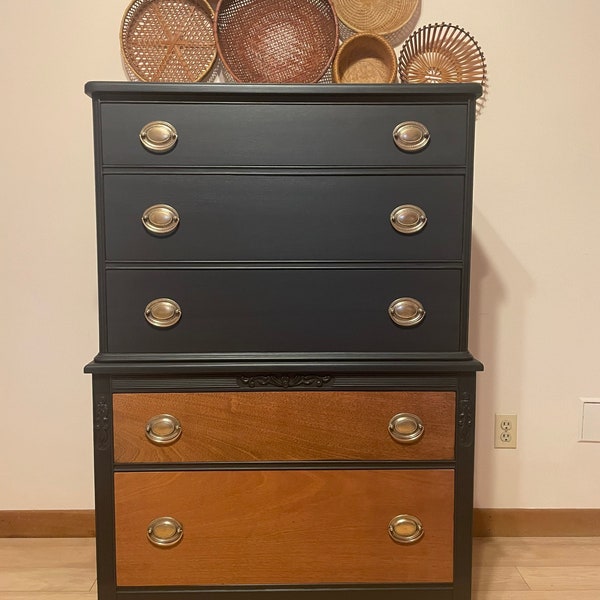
<point x="158" y="136"/>
<point x="160" y="219"/>
<point x="406" y="428"/>
<point x="406" y="312"/>
<point x="405" y="529"/>
<point x="408" y="218"/>
<point x="165" y="531"/>
<point x="163" y="429"/>
<point x="411" y="136"/>
<point x="162" y="312"/>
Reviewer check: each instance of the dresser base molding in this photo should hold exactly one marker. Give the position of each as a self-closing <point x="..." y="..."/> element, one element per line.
<point x="487" y="522"/>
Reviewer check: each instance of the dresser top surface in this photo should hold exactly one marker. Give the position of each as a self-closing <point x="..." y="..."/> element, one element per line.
<point x="111" y="90"/>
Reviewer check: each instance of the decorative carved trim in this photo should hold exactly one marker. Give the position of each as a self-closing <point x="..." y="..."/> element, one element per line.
<point x="466" y="421"/>
<point x="101" y="422"/>
<point x="285" y="381"/>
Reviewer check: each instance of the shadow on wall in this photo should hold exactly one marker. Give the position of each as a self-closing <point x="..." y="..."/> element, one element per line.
<point x="498" y="284"/>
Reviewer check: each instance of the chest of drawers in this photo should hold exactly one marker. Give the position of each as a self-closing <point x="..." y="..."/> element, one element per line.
<point x="284" y="398"/>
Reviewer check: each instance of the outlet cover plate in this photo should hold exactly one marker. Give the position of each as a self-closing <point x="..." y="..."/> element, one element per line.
<point x="505" y="431"/>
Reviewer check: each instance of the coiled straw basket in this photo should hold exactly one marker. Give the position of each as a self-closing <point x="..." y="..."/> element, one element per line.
<point x="383" y="17"/>
<point x="365" y="58"/>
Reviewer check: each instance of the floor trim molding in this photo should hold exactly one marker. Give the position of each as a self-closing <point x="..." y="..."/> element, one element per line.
<point x="47" y="523"/>
<point x="487" y="522"/>
<point x="536" y="522"/>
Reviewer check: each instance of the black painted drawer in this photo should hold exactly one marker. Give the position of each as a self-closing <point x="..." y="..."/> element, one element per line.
<point x="283" y="218"/>
<point x="212" y="134"/>
<point x="283" y="310"/>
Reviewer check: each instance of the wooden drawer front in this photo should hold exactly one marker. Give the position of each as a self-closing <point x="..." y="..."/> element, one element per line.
<point x="283" y="310"/>
<point x="281" y="218"/>
<point x="284" y="527"/>
<point x="274" y="426"/>
<point x="283" y="134"/>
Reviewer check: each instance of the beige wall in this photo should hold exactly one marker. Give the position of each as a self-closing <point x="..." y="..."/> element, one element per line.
<point x="536" y="287"/>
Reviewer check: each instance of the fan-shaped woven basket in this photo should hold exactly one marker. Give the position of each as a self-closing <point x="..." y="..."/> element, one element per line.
<point x="365" y="58"/>
<point x="168" y="40"/>
<point x="441" y="53"/>
<point x="383" y="17"/>
<point x="276" y="41"/>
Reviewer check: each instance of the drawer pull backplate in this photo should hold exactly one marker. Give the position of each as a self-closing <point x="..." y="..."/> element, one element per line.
<point x="406" y="428"/>
<point x="162" y="312"/>
<point x="165" y="531"/>
<point x="411" y="136"/>
<point x="405" y="529"/>
<point x="406" y="312"/>
<point x="158" y="136"/>
<point x="408" y="218"/>
<point x="163" y="429"/>
<point x="160" y="219"/>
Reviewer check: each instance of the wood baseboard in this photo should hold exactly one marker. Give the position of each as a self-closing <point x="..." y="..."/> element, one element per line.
<point x="47" y="523"/>
<point x="487" y="522"/>
<point x="534" y="522"/>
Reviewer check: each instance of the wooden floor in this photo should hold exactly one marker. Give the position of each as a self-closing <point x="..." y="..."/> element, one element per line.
<point x="504" y="569"/>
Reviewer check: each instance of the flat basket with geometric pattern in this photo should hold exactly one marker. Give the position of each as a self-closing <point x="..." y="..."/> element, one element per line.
<point x="168" y="40"/>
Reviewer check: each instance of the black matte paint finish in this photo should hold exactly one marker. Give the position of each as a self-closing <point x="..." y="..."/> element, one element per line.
<point x="284" y="264"/>
<point x="237" y="217"/>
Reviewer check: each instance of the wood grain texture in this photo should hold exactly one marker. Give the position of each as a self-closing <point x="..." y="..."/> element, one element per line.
<point x="273" y="426"/>
<point x="532" y="522"/>
<point x="284" y="527"/>
<point x="47" y="523"/>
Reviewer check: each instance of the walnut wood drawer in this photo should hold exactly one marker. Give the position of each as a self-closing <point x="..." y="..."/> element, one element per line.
<point x="236" y="217"/>
<point x="318" y="134"/>
<point x="287" y="310"/>
<point x="279" y="426"/>
<point x="284" y="527"/>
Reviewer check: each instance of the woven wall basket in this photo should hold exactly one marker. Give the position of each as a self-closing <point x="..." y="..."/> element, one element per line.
<point x="168" y="40"/>
<point x="441" y="53"/>
<point x="276" y="41"/>
<point x="365" y="58"/>
<point x="383" y="17"/>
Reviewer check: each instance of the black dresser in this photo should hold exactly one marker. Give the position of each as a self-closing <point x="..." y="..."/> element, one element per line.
<point x="284" y="399"/>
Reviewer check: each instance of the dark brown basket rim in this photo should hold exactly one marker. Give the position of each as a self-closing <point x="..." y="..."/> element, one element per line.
<point x="230" y="72"/>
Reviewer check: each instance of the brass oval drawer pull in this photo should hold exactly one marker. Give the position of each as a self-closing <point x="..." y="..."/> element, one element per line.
<point x="405" y="529"/>
<point x="160" y="219"/>
<point x="408" y="218"/>
<point x="406" y="428"/>
<point x="162" y="312"/>
<point x="158" y="136"/>
<point x="411" y="136"/>
<point x="406" y="312"/>
<point x="163" y="429"/>
<point x="165" y="531"/>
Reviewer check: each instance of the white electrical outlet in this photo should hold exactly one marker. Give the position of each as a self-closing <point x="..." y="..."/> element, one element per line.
<point x="505" y="431"/>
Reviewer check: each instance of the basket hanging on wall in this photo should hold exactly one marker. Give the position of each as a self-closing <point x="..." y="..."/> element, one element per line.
<point x="442" y="53"/>
<point x="168" y="40"/>
<point x="276" y="41"/>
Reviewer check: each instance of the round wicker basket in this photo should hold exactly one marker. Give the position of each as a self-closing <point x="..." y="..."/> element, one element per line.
<point x="441" y="53"/>
<point x="383" y="17"/>
<point x="168" y="40"/>
<point x="365" y="58"/>
<point x="276" y="41"/>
